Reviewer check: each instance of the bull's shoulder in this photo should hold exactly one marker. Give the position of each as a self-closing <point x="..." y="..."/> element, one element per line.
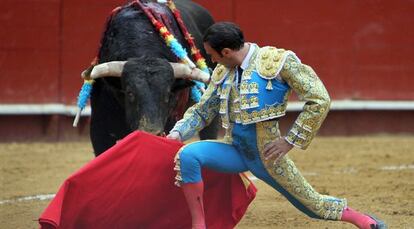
<point x="270" y="61"/>
<point x="219" y="74"/>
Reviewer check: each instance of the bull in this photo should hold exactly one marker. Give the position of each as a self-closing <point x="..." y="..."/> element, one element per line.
<point x="138" y="85"/>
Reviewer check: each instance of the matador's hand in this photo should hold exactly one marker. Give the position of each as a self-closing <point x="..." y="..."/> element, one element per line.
<point x="174" y="135"/>
<point x="276" y="149"/>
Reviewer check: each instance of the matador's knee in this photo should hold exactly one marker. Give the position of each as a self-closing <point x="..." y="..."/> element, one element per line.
<point x="187" y="166"/>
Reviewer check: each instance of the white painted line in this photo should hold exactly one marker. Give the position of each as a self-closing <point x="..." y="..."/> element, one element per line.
<point x="397" y="167"/>
<point x="28" y="198"/>
<point x="41" y="109"/>
<point x="310" y="174"/>
<point x="70" y="110"/>
<point x="349" y="170"/>
<point x="360" y="105"/>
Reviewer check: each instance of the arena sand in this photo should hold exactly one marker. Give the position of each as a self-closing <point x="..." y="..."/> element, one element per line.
<point x="375" y="174"/>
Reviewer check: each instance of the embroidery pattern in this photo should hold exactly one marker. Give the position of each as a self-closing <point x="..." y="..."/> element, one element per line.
<point x="287" y="175"/>
<point x="310" y="88"/>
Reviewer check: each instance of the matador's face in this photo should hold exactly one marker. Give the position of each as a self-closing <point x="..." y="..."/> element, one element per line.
<point x="225" y="58"/>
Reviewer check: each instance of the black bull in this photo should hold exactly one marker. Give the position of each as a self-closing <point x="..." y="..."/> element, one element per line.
<point x="145" y="95"/>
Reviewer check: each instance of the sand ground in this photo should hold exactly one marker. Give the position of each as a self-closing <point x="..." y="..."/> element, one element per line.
<point x="375" y="174"/>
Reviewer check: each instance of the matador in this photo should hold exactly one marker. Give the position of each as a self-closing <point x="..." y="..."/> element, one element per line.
<point x="249" y="89"/>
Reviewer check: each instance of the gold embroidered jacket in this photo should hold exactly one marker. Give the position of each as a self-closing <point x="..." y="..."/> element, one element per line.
<point x="249" y="102"/>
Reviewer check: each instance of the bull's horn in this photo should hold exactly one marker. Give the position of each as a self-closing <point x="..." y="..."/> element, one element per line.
<point x="184" y="71"/>
<point x="113" y="68"/>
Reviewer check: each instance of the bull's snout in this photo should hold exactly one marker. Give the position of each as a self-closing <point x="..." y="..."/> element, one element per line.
<point x="151" y="127"/>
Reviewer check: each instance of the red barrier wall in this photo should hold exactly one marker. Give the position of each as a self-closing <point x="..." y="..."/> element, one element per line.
<point x="45" y="44"/>
<point x="361" y="49"/>
<point x="83" y="24"/>
<point x="29" y="51"/>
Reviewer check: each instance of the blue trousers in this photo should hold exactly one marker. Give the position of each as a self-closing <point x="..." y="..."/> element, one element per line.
<point x="243" y="155"/>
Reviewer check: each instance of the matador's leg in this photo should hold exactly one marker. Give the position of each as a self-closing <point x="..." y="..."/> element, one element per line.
<point x="190" y="159"/>
<point x="286" y="178"/>
<point x="212" y="154"/>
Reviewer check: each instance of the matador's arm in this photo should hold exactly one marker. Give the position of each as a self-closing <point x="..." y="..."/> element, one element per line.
<point x="200" y="114"/>
<point x="304" y="81"/>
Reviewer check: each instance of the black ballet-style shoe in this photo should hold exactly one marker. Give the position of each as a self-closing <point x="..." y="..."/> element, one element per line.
<point x="380" y="224"/>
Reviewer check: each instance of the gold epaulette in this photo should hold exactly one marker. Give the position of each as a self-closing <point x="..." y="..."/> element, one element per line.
<point x="219" y="74"/>
<point x="269" y="61"/>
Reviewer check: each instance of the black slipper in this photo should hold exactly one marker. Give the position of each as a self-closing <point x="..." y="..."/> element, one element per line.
<point x="380" y="224"/>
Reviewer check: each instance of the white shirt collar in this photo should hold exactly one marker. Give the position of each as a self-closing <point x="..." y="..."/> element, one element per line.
<point x="246" y="60"/>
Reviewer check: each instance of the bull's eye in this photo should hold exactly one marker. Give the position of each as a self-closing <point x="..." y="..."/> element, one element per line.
<point x="131" y="96"/>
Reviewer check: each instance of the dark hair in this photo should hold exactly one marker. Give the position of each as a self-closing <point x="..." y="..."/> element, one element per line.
<point x="224" y="35"/>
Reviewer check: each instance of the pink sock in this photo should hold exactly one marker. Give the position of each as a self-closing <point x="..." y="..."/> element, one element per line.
<point x="198" y="226"/>
<point x="358" y="219"/>
<point x="193" y="193"/>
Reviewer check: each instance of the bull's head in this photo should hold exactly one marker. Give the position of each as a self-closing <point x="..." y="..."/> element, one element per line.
<point x="150" y="86"/>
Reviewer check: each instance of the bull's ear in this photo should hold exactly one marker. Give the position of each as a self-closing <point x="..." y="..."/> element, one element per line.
<point x="181" y="84"/>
